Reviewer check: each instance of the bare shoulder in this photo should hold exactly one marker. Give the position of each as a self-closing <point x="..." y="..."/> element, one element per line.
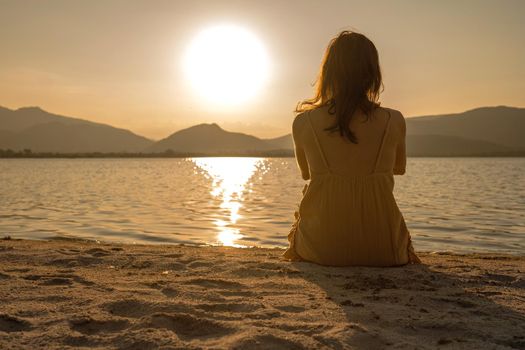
<point x="397" y="116"/>
<point x="299" y="121"/>
<point x="397" y="120"/>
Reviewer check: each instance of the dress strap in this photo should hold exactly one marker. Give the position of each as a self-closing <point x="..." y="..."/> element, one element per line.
<point x="317" y="142"/>
<point x="378" y="157"/>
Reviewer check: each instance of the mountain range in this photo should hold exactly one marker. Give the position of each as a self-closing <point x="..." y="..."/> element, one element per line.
<point x="211" y="138"/>
<point x="482" y="131"/>
<point x="35" y="129"/>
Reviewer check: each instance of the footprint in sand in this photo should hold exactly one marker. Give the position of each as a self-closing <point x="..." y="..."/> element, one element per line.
<point x="129" y="308"/>
<point x="185" y="326"/>
<point x="88" y="325"/>
<point x="13" y="324"/>
<point x="223" y="287"/>
<point x="170" y="292"/>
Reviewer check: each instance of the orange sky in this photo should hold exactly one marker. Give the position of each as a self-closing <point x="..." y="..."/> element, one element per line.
<point x="117" y="62"/>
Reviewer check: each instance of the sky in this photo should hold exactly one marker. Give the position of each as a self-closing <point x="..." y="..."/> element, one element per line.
<point x="120" y="62"/>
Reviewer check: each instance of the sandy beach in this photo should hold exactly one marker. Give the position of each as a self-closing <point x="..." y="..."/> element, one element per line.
<point x="78" y="294"/>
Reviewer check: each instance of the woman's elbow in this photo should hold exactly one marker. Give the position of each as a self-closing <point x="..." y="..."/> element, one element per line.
<point x="399" y="171"/>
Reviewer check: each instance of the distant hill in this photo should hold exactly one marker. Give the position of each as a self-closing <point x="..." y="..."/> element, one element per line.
<point x="35" y="129"/>
<point x="211" y="139"/>
<point x="482" y="131"/>
<point x="25" y="117"/>
<point x="479" y="132"/>
<point x="432" y="146"/>
<point x="283" y="142"/>
<point x="501" y="125"/>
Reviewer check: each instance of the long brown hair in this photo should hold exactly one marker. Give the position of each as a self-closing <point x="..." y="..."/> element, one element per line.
<point x="349" y="80"/>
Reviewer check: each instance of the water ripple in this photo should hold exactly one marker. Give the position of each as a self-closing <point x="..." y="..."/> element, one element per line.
<point x="456" y="204"/>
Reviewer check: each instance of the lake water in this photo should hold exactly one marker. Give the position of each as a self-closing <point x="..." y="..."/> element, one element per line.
<point x="454" y="204"/>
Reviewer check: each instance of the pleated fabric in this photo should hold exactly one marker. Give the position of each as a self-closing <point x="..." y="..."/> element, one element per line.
<point x="349" y="219"/>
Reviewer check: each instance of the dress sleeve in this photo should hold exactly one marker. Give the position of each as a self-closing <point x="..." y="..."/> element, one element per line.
<point x="300" y="156"/>
<point x="401" y="155"/>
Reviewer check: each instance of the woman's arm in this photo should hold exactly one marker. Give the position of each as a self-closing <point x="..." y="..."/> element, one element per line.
<point x="300" y="156"/>
<point x="401" y="154"/>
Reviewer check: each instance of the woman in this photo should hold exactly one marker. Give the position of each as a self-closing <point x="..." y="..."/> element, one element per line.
<point x="349" y="148"/>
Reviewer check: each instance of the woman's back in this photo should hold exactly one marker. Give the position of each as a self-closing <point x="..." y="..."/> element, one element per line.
<point x="380" y="146"/>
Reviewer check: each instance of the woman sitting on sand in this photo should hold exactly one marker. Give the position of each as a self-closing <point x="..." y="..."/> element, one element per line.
<point x="349" y="148"/>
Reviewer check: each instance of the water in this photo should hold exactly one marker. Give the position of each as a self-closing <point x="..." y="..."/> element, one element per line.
<point x="455" y="204"/>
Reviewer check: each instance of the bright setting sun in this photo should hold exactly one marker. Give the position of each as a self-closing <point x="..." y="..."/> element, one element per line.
<point x="226" y="64"/>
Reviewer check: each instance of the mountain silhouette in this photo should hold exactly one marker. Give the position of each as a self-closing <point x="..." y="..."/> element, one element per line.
<point x="481" y="131"/>
<point x="478" y="132"/>
<point x="35" y="129"/>
<point x="25" y="117"/>
<point x="210" y="139"/>
<point x="282" y="142"/>
<point x="500" y="125"/>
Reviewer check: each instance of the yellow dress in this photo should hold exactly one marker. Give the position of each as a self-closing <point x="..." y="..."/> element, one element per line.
<point x="348" y="214"/>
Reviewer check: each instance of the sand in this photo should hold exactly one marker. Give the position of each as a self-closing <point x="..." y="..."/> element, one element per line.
<point x="74" y="294"/>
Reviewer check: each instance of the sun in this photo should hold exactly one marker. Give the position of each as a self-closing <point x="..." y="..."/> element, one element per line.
<point x="226" y="65"/>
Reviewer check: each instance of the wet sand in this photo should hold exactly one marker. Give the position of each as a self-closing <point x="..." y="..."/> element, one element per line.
<point x="60" y="294"/>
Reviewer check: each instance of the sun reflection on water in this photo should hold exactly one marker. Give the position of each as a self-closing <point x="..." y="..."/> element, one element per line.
<point x="229" y="176"/>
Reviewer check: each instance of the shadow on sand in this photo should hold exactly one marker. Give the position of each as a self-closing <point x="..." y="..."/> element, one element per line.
<point x="458" y="304"/>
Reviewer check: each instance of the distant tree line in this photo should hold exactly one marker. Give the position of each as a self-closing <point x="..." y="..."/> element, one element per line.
<point x="282" y="153"/>
<point x="27" y="153"/>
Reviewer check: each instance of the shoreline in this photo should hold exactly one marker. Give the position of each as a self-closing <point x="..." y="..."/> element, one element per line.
<point x="76" y="239"/>
<point x="76" y="293"/>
